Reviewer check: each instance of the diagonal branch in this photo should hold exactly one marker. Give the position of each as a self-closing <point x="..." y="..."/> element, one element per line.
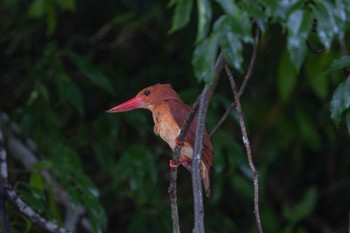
<point x="248" y="150"/>
<point x="244" y="84"/>
<point x="7" y="193"/>
<point x="219" y="65"/>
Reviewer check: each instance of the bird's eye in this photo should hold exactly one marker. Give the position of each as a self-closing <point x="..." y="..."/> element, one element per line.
<point x="147" y="92"/>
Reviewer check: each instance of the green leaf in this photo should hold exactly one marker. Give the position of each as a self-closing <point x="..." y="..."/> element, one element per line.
<point x="67" y="4"/>
<point x="348" y="120"/>
<point x="339" y="64"/>
<point x="287" y="77"/>
<point x="51" y="16"/>
<point x="229" y="7"/>
<point x="92" y="73"/>
<point x="37" y="8"/>
<point x="340" y="100"/>
<point x="303" y="208"/>
<point x="204" y="18"/>
<point x="203" y="60"/>
<point x="299" y="26"/>
<point x="229" y="39"/>
<point x="308" y="132"/>
<point x="181" y="15"/>
<point x="326" y="23"/>
<point x="36" y="180"/>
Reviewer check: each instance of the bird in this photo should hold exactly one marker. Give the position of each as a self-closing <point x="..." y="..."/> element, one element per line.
<point x="169" y="114"/>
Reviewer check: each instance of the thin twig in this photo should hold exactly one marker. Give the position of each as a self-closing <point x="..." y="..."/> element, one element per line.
<point x="244" y="84"/>
<point x="219" y="65"/>
<point x="222" y="119"/>
<point x="173" y="173"/>
<point x="248" y="150"/>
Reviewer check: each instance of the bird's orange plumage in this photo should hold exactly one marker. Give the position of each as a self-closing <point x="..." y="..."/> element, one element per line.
<point x="169" y="114"/>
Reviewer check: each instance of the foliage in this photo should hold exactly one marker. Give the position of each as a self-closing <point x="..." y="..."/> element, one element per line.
<point x="65" y="62"/>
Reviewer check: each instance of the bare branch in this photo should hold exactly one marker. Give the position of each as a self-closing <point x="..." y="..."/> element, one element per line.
<point x="196" y="160"/>
<point x="7" y="192"/>
<point x="248" y="150"/>
<point x="219" y="65"/>
<point x="23" y="152"/>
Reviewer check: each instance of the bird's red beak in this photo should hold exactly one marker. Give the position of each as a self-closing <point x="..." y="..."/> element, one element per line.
<point x="131" y="104"/>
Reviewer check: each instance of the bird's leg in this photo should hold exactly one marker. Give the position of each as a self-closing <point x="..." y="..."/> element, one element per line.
<point x="183" y="160"/>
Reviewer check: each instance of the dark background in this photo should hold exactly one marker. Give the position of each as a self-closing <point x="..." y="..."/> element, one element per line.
<point x="63" y="63"/>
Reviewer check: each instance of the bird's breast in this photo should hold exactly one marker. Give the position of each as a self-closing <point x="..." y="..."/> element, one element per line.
<point x="165" y="125"/>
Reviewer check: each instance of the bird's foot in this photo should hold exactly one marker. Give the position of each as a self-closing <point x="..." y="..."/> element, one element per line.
<point x="172" y="165"/>
<point x="177" y="142"/>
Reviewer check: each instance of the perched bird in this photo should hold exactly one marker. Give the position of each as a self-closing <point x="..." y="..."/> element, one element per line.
<point x="169" y="114"/>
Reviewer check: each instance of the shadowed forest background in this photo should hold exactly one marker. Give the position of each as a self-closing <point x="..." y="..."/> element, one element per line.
<point x="64" y="62"/>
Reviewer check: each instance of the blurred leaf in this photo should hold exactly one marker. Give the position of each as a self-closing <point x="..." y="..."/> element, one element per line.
<point x="339" y="64"/>
<point x="37" y="8"/>
<point x="51" y="16"/>
<point x="303" y="208"/>
<point x="348" y="120"/>
<point x="299" y="26"/>
<point x="340" y="100"/>
<point x="203" y="60"/>
<point x="287" y="77"/>
<point x="36" y="180"/>
<point x="182" y="15"/>
<point x="67" y="4"/>
<point x="92" y="73"/>
<point x="204" y="18"/>
<point x="229" y="7"/>
<point x="34" y="197"/>
<point x="308" y="133"/>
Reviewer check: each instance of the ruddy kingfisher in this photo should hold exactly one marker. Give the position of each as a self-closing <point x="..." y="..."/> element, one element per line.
<point x="169" y="114"/>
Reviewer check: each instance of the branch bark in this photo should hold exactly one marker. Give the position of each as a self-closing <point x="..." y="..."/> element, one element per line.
<point x="176" y="153"/>
<point x="248" y="150"/>
<point x="7" y="193"/>
<point x="244" y="84"/>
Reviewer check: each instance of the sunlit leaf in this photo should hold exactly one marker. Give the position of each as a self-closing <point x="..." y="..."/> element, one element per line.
<point x="340" y="100"/>
<point x="203" y="60"/>
<point x="182" y="15"/>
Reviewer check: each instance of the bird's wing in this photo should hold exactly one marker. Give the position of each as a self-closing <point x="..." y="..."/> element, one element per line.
<point x="180" y="111"/>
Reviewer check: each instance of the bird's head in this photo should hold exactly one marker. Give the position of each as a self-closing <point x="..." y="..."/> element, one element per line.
<point x="148" y="98"/>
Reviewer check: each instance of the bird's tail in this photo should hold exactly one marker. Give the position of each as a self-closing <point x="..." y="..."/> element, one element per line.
<point x="205" y="173"/>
